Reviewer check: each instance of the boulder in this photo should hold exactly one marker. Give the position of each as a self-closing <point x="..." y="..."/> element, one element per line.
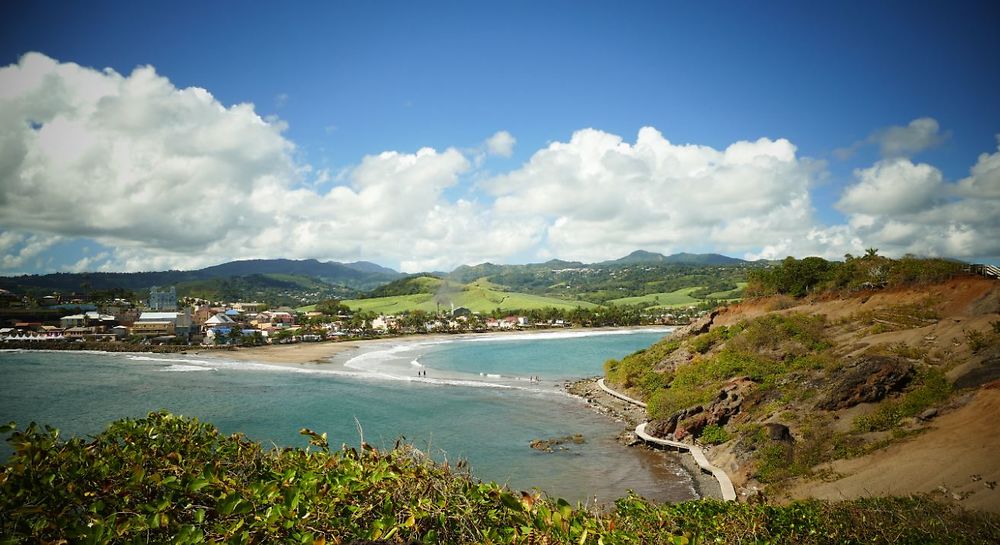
<point x="690" y="421"/>
<point x="869" y="379"/>
<point x="557" y="443"/>
<point x="661" y="428"/>
<point x="730" y="399"/>
<point x="703" y="324"/>
<point x="691" y="426"/>
<point x="778" y="432"/>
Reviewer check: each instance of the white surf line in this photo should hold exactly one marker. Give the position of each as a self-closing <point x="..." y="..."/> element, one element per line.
<point x="728" y="492"/>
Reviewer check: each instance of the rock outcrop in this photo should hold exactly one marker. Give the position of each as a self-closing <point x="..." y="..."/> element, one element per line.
<point x="690" y="421"/>
<point x="869" y="379"/>
<point x="778" y="432"/>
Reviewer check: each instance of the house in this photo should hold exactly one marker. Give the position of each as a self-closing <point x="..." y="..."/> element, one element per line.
<point x="151" y="324"/>
<point x="73" y="320"/>
<point x="78" y="332"/>
<point x="276" y="317"/>
<point x="87" y="319"/>
<point x="215" y="332"/>
<point x="385" y="323"/>
<point x="154" y="328"/>
<point x="221" y="319"/>
<point x="202" y="313"/>
<point x="249" y="307"/>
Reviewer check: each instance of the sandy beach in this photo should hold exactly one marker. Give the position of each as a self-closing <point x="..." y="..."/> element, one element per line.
<point x="323" y="352"/>
<point x="299" y="353"/>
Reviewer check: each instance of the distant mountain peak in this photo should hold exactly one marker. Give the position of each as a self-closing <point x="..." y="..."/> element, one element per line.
<point x="680" y="258"/>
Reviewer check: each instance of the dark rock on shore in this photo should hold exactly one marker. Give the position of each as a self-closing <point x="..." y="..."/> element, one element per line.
<point x="558" y="443"/>
<point x="869" y="379"/>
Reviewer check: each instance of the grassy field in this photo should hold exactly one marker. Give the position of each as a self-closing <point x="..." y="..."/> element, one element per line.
<point x="731" y="294"/>
<point x="479" y="296"/>
<point x="679" y="298"/>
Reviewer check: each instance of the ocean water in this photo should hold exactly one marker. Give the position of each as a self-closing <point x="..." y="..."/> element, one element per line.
<point x="476" y="402"/>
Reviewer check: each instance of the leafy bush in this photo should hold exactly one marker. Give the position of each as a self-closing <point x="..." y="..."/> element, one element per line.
<point x="798" y="277"/>
<point x="978" y="340"/>
<point x="714" y="434"/>
<point x="635" y="371"/>
<point x="774" y="331"/>
<point x="932" y="387"/>
<point x="171" y="479"/>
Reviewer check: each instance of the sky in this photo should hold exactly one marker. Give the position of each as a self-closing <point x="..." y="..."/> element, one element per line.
<point x="424" y="135"/>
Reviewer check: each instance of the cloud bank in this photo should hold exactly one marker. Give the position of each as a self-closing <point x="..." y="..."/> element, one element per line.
<point x="171" y="178"/>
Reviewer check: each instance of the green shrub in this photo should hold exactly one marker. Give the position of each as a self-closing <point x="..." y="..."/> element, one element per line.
<point x="714" y="434"/>
<point x="635" y="371"/>
<point x="931" y="388"/>
<point x="170" y="479"/>
<point x="978" y="340"/>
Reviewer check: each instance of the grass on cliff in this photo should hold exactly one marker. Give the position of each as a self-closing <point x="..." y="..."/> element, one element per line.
<point x="172" y="479"/>
<point x="762" y="349"/>
<point x="786" y="356"/>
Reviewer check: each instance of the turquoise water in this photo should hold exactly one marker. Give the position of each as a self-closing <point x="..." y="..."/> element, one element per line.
<point x="475" y="403"/>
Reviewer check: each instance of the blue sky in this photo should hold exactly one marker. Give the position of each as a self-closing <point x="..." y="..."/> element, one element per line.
<point x="567" y="83"/>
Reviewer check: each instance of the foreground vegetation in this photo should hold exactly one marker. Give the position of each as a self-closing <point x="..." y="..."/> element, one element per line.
<point x="172" y="479"/>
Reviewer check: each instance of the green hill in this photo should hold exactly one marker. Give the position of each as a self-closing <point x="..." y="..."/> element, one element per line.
<point x="274" y="288"/>
<point x="677" y="298"/>
<point x="478" y="296"/>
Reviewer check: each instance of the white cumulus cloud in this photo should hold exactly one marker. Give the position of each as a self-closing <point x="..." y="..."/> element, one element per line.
<point x="901" y="207"/>
<point x="172" y="178"/>
<point x="501" y="143"/>
<point x="603" y="197"/>
<point x="892" y="186"/>
<point x="167" y="177"/>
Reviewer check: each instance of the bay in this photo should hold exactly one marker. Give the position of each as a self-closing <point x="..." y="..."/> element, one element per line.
<point x="477" y="402"/>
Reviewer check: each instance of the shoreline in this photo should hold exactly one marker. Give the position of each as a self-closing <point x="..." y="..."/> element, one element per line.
<point x="331" y="353"/>
<point x="322" y="353"/>
<point x="630" y="416"/>
<point x="302" y="353"/>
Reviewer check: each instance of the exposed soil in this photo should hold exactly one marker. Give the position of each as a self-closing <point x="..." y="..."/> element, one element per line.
<point x="957" y="458"/>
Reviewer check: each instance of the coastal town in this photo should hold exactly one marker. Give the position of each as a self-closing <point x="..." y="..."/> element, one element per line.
<point x="163" y="319"/>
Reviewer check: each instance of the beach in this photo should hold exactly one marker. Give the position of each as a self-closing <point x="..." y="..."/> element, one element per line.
<point x="298" y="353"/>
<point x="323" y="352"/>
